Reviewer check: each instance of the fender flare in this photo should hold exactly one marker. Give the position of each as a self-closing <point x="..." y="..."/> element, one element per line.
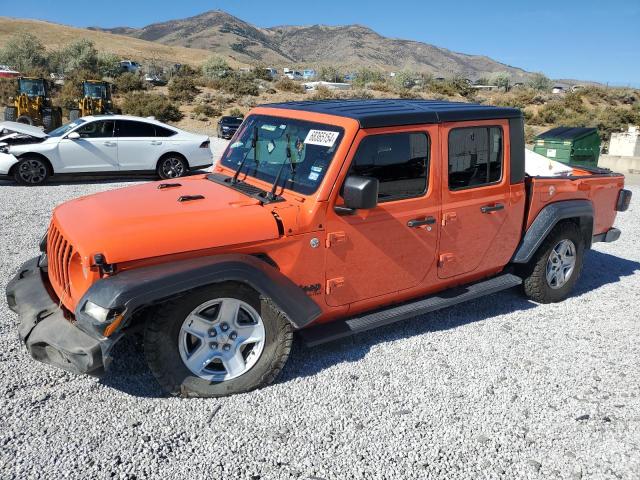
<point x="547" y="218"/>
<point x="134" y="289"/>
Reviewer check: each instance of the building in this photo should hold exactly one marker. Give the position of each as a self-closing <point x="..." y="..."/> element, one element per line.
<point x="625" y="144"/>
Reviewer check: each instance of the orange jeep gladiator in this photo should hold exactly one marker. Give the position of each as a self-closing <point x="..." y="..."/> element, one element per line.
<point x="326" y="218"/>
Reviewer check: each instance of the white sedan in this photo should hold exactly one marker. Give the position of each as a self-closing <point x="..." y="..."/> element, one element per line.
<point x="100" y="144"/>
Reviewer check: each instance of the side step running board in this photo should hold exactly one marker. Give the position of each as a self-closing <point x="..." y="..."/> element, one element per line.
<point x="333" y="331"/>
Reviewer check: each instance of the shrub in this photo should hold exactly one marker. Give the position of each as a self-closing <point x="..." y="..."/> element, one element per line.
<point x="330" y="74"/>
<point x="215" y="67"/>
<point x="236" y="112"/>
<point x="7" y="90"/>
<point x="381" y="86"/>
<point x="323" y="93"/>
<point x="79" y="55"/>
<point x="109" y="64"/>
<point x="365" y="76"/>
<point x="128" y="82"/>
<point x="237" y="84"/>
<point x="501" y="80"/>
<point x="539" y="81"/>
<point x="24" y="52"/>
<point x="206" y="110"/>
<point x="143" y="104"/>
<point x="182" y="89"/>
<point x="287" y="85"/>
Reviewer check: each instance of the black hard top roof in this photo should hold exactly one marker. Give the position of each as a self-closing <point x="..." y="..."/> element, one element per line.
<point x="566" y="133"/>
<point x="392" y="112"/>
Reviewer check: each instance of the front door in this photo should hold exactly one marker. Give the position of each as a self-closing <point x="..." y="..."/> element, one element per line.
<point x="391" y="247"/>
<point x="475" y="195"/>
<point x="95" y="151"/>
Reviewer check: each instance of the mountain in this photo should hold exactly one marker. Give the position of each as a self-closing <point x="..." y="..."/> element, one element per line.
<point x="54" y="36"/>
<point x="350" y="46"/>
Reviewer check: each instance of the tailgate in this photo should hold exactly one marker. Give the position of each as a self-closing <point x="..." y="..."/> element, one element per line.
<point x="601" y="189"/>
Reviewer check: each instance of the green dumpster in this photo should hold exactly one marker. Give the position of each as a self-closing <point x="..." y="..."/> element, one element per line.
<point x="570" y="145"/>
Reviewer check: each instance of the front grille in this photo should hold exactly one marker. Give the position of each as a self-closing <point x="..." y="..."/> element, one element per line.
<point x="59" y="252"/>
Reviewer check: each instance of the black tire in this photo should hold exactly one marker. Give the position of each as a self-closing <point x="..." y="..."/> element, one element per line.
<point x="74" y="114"/>
<point x="536" y="286"/>
<point x="31" y="171"/>
<point x="171" y="166"/>
<point x="47" y="119"/>
<point x="10" y="114"/>
<point x="26" y="119"/>
<point x="57" y="118"/>
<point x="161" y="337"/>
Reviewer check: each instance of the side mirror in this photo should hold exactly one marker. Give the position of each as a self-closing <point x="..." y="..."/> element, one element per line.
<point x="359" y="193"/>
<point x="73" y="136"/>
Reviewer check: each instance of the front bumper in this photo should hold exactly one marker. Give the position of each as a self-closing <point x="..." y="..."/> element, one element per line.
<point x="49" y="336"/>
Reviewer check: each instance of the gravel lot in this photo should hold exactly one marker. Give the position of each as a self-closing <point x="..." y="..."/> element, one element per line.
<point x="496" y="388"/>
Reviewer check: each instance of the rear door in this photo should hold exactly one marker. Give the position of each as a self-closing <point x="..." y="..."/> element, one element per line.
<point x="391" y="247"/>
<point x="138" y="147"/>
<point x="95" y="151"/>
<point x="475" y="195"/>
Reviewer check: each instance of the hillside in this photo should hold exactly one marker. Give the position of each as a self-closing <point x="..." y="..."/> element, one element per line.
<point x="55" y="36"/>
<point x="350" y="45"/>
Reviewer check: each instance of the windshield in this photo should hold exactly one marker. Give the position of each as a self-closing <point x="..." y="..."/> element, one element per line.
<point x="32" y="87"/>
<point x="232" y="121"/>
<point x="60" y="131"/>
<point x="95" y="90"/>
<point x="311" y="145"/>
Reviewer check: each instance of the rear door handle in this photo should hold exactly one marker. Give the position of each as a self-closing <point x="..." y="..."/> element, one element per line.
<point x="110" y="144"/>
<point x="418" y="222"/>
<point x="492" y="208"/>
<point x="156" y="143"/>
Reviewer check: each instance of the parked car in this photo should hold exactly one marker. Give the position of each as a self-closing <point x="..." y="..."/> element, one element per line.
<point x="129" y="66"/>
<point x="102" y="144"/>
<point x="228" y="125"/>
<point x="155" y="80"/>
<point x="309" y="74"/>
<point x="327" y="218"/>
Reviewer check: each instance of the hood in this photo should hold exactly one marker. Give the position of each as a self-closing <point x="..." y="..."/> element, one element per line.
<point x="23" y="129"/>
<point x="145" y="221"/>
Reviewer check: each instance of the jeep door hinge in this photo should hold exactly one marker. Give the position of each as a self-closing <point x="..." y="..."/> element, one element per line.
<point x="445" y="258"/>
<point x="334" y="238"/>
<point x="334" y="283"/>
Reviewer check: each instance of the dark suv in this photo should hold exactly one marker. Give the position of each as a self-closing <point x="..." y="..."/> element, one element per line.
<point x="227" y="126"/>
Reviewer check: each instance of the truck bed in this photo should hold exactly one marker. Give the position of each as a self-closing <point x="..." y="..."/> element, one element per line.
<point x="599" y="186"/>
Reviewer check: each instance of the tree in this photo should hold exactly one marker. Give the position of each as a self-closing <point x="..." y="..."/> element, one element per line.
<point x="79" y="55"/>
<point x="365" y="76"/>
<point x="109" y="64"/>
<point x="215" y="67"/>
<point x="330" y="74"/>
<point x="539" y="81"/>
<point x="501" y="80"/>
<point x="24" y="52"/>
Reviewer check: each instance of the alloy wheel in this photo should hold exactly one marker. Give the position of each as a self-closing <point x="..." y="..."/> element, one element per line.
<point x="221" y="339"/>
<point x="173" y="168"/>
<point x="561" y="264"/>
<point x="32" y="171"/>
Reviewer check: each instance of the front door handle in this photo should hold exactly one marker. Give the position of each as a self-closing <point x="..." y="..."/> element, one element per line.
<point x="418" y="222"/>
<point x="156" y="143"/>
<point x="492" y="208"/>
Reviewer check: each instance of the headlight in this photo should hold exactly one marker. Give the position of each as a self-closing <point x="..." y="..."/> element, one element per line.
<point x="97" y="312"/>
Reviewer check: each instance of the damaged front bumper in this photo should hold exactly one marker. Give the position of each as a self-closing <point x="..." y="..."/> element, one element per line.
<point x="48" y="335"/>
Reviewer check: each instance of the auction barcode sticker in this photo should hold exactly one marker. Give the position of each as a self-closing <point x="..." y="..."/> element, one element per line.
<point x="324" y="138"/>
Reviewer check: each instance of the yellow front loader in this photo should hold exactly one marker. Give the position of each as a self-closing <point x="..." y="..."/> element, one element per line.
<point x="96" y="100"/>
<point x="32" y="105"/>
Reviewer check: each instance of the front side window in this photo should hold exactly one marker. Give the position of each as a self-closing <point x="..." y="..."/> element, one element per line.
<point x="400" y="162"/>
<point x="302" y="149"/>
<point x="99" y="129"/>
<point x="475" y="157"/>
<point x="130" y="128"/>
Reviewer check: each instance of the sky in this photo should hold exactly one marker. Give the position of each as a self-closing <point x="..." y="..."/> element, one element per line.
<point x="578" y="39"/>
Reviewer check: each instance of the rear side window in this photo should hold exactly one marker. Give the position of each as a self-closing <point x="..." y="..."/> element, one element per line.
<point x="130" y="128"/>
<point x="475" y="157"/>
<point x="164" y="132"/>
<point x="400" y="162"/>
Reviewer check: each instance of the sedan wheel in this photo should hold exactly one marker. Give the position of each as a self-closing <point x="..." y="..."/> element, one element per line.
<point x="31" y="171"/>
<point x="171" y="167"/>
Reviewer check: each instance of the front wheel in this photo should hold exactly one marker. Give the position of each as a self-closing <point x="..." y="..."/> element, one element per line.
<point x="31" y="171"/>
<point x="171" y="166"/>
<point x="556" y="267"/>
<point x="217" y="341"/>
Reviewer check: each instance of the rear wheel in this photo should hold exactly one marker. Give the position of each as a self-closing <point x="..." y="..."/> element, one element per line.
<point x="31" y="171"/>
<point x="556" y="267"/>
<point x="171" y="166"/>
<point x="217" y="341"/>
<point x="74" y="114"/>
<point x="10" y="114"/>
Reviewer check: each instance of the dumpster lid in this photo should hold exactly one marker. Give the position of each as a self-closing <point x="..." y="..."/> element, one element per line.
<point x="566" y="133"/>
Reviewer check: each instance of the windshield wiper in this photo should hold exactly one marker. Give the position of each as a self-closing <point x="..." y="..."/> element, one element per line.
<point x="272" y="194"/>
<point x="254" y="144"/>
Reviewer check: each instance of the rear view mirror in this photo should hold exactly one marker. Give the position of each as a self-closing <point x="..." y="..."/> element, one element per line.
<point x="73" y="136"/>
<point x="359" y="193"/>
